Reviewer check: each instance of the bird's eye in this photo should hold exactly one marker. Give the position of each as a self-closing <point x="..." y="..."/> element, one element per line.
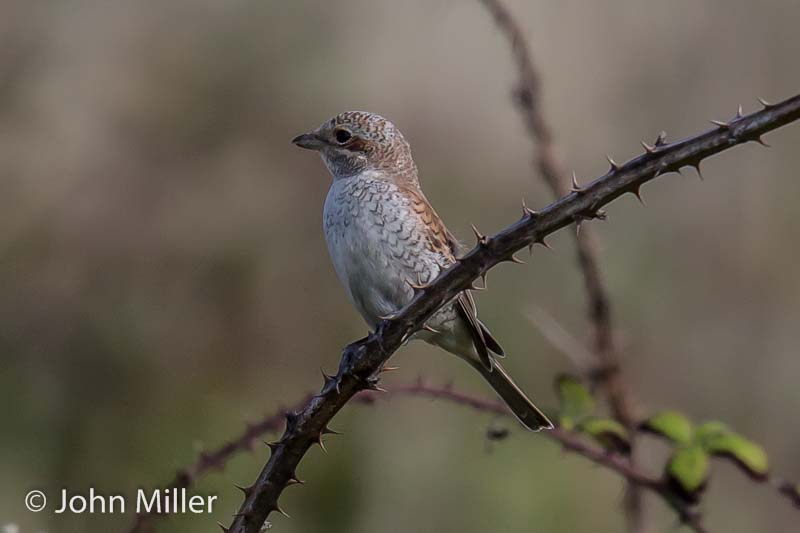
<point x="342" y="136"/>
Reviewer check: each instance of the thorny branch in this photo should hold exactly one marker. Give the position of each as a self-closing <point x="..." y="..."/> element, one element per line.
<point x="606" y="371"/>
<point x="363" y="360"/>
<point x="216" y="459"/>
<point x="571" y="441"/>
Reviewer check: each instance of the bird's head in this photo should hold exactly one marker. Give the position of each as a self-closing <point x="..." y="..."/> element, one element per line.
<point x="357" y="141"/>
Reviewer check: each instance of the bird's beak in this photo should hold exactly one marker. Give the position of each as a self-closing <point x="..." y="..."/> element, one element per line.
<point x="309" y="141"/>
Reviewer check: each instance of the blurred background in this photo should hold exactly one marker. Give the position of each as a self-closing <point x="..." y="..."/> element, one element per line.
<point x="164" y="278"/>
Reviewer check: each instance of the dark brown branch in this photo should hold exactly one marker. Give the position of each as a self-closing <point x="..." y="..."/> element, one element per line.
<point x="362" y="360"/>
<point x="607" y="371"/>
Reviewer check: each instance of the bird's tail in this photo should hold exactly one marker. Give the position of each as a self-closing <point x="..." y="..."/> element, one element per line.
<point x="526" y="412"/>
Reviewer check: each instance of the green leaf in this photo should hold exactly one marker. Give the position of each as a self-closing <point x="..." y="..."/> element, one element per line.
<point x="709" y="431"/>
<point x="576" y="401"/>
<point x="688" y="468"/>
<point x="672" y="425"/>
<point x="745" y="453"/>
<point x="610" y="434"/>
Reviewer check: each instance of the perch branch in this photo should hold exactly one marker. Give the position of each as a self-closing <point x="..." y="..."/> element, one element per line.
<point x="216" y="459"/>
<point x="363" y="360"/>
<point x="606" y="371"/>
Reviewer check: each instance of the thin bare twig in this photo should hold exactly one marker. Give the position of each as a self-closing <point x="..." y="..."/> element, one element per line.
<point x="558" y="337"/>
<point x="362" y="360"/>
<point x="527" y="97"/>
<point x="571" y="441"/>
<point x="606" y="371"/>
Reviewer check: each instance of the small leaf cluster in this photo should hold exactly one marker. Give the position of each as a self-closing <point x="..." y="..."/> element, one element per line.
<point x="689" y="466"/>
<point x="577" y="412"/>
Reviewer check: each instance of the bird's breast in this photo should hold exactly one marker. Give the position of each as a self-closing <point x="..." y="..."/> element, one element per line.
<point x="377" y="244"/>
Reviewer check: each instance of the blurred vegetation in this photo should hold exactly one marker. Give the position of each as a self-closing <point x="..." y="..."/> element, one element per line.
<point x="164" y="277"/>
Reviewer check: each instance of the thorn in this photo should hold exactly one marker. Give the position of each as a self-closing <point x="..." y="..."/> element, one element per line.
<point x="514" y="259"/>
<point x="426" y="327"/>
<point x="530" y="249"/>
<point x="482" y="240"/>
<point x="272" y="445"/>
<point x="281" y="511"/>
<point x="390" y="316"/>
<point x="764" y="103"/>
<point x="474" y="287"/>
<point x="224" y="529"/>
<point x="575" y="187"/>
<point x="527" y="211"/>
<point x="614" y="165"/>
<point x="322" y="444"/>
<point x="637" y="192"/>
<point x="326" y="377"/>
<point x="647" y="148"/>
<point x="478" y="234"/>
<point x="294" y="480"/>
<point x="696" y="167"/>
<point x="739" y="112"/>
<point x="372" y="384"/>
<point x="661" y="140"/>
<point x="542" y="242"/>
<point x="578" y="222"/>
<point x="246" y="490"/>
<point x="759" y="140"/>
<point x="328" y="431"/>
<point x="721" y="124"/>
<point x="390" y="368"/>
<point x="600" y="214"/>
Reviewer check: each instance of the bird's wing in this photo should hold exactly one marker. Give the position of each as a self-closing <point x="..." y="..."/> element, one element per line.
<point x="440" y="240"/>
<point x="439" y="237"/>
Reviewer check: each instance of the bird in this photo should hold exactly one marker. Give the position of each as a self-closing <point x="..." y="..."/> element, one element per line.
<point x="385" y="239"/>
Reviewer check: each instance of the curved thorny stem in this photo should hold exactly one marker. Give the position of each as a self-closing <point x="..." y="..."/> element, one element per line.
<point x="362" y="360"/>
